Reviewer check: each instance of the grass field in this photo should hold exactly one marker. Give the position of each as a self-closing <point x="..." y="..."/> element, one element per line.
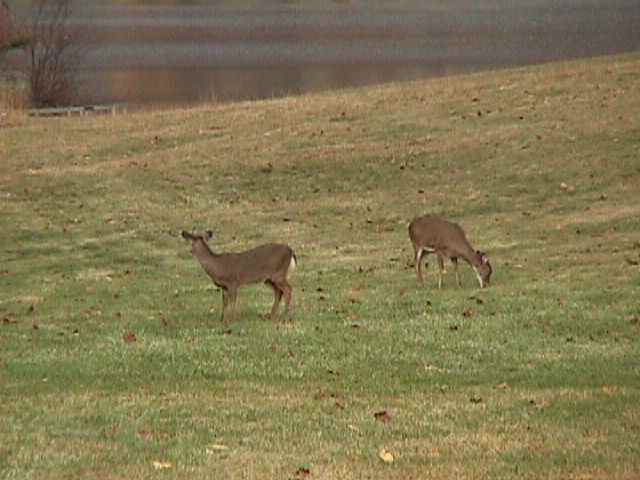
<point x="114" y="365"/>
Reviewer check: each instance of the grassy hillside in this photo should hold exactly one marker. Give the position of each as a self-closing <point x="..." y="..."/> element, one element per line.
<point x="113" y="363"/>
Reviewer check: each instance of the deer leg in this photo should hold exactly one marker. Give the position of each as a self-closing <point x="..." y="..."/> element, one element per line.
<point x="233" y="297"/>
<point x="225" y="302"/>
<point x="454" y="260"/>
<point x="286" y="289"/>
<point x="440" y="269"/>
<point x="277" y="295"/>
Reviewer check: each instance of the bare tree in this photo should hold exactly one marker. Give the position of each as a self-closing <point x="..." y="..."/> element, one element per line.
<point x="11" y="37"/>
<point x="6" y="27"/>
<point x="54" y="53"/>
<point x="13" y="92"/>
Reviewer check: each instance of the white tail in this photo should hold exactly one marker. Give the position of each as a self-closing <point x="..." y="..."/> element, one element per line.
<point x="430" y="234"/>
<point x="271" y="263"/>
<point x="293" y="263"/>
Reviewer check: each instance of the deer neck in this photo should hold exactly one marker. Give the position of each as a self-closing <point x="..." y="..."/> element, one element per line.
<point x="475" y="261"/>
<point x="471" y="256"/>
<point x="206" y="257"/>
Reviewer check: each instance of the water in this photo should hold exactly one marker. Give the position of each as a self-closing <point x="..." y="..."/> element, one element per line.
<point x="184" y="54"/>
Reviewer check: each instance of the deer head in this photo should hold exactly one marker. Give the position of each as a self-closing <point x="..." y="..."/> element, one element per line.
<point x="484" y="269"/>
<point x="198" y="241"/>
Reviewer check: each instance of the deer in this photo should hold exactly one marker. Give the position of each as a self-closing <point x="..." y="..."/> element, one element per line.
<point x="432" y="234"/>
<point x="271" y="263"/>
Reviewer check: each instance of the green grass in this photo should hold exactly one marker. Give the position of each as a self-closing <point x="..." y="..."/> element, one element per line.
<point x="113" y="363"/>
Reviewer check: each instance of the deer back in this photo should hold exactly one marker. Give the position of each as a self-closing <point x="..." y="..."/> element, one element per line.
<point x="265" y="262"/>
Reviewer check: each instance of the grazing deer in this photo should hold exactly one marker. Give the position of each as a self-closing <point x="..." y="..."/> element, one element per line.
<point x="430" y="234"/>
<point x="271" y="263"/>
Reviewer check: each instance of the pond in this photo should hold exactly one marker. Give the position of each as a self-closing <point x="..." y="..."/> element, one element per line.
<point x="177" y="54"/>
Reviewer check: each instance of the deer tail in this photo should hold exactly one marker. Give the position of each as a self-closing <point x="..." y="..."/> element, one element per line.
<point x="292" y="264"/>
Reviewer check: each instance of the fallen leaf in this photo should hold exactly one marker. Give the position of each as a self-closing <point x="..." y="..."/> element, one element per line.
<point x="434" y="452"/>
<point x="129" y="337"/>
<point x="145" y="434"/>
<point x="303" y="472"/>
<point x="382" y="416"/>
<point x="216" y="448"/>
<point x="385" y="455"/>
<point x="161" y="465"/>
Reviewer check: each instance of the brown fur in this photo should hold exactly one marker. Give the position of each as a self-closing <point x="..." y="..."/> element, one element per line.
<point x="270" y="263"/>
<point x="431" y="234"/>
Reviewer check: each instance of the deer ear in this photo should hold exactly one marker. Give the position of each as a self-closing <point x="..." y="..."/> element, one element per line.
<point x="209" y="234"/>
<point x="186" y="235"/>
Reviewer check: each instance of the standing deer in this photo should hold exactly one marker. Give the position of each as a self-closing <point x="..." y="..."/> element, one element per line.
<point x="431" y="234"/>
<point x="271" y="263"/>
